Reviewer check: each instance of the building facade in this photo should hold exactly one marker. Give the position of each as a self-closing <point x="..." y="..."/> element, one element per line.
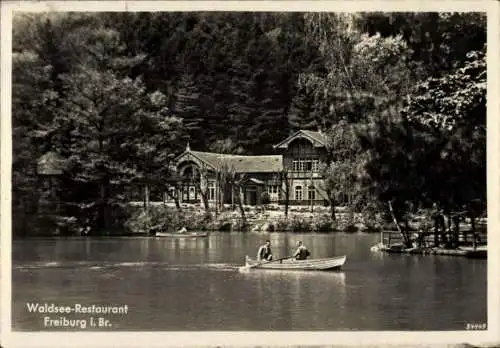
<point x="225" y="178"/>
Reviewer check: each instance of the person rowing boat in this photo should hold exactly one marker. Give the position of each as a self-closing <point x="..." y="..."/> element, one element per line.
<point x="302" y="253"/>
<point x="264" y="253"/>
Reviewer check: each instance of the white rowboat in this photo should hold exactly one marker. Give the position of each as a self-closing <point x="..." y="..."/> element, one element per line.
<point x="182" y="235"/>
<point x="327" y="264"/>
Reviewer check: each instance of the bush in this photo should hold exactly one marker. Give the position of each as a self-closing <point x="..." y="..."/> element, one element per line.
<point x="222" y="225"/>
<point x="298" y="224"/>
<point x="322" y="223"/>
<point x="239" y="225"/>
<point x="282" y="225"/>
<point x="197" y="221"/>
<point x="158" y="218"/>
<point x="161" y="218"/>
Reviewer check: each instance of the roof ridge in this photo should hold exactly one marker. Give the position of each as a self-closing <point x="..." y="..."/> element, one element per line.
<point x="311" y="131"/>
<point x="233" y="155"/>
<point x="315" y="136"/>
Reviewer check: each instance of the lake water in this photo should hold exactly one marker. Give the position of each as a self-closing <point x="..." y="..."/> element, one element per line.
<point x="194" y="284"/>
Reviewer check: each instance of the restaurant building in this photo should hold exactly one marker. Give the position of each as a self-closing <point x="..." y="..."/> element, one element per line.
<point x="293" y="172"/>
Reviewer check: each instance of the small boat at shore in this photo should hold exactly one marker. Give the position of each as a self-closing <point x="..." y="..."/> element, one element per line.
<point x="327" y="264"/>
<point x="181" y="235"/>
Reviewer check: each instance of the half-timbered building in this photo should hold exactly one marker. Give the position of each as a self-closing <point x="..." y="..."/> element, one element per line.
<point x="296" y="166"/>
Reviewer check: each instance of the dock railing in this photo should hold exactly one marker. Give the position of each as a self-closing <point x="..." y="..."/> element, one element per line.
<point x="427" y="239"/>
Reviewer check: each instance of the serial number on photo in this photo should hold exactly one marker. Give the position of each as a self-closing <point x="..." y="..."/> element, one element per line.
<point x="476" y="326"/>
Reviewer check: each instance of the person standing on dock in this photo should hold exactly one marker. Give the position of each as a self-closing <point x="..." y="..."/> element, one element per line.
<point x="302" y="253"/>
<point x="264" y="252"/>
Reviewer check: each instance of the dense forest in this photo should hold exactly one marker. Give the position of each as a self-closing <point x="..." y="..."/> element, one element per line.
<point x="113" y="97"/>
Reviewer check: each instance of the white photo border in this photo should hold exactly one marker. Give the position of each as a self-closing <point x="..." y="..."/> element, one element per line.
<point x="8" y="338"/>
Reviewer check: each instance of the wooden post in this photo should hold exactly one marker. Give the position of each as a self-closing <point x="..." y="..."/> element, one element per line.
<point x="216" y="196"/>
<point x="397" y="223"/>
<point x="146" y="196"/>
<point x="232" y="197"/>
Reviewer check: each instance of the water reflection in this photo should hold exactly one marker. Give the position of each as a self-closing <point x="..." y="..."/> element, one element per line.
<point x="194" y="284"/>
<point x="308" y="294"/>
<point x="337" y="278"/>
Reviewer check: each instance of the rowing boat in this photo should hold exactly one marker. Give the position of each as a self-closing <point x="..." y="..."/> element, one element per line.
<point x="182" y="235"/>
<point x="327" y="264"/>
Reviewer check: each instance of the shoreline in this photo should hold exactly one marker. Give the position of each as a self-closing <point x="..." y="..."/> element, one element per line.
<point x="159" y="217"/>
<point x="132" y="235"/>
<point x="480" y="252"/>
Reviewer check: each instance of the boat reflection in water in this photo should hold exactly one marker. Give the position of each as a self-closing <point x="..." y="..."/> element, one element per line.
<point x="293" y="295"/>
<point x="337" y="277"/>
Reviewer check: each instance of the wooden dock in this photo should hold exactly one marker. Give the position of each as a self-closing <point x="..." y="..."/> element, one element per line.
<point x="478" y="253"/>
<point x="391" y="242"/>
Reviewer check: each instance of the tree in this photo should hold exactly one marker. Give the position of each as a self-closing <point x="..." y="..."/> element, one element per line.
<point x="33" y="101"/>
<point x="107" y="110"/>
<point x="226" y="146"/>
<point x="433" y="154"/>
<point x="187" y="106"/>
<point x="451" y="111"/>
<point x="362" y="73"/>
<point x="343" y="166"/>
<point x="303" y="112"/>
<point x="236" y="180"/>
<point x="285" y="184"/>
<point x="157" y="143"/>
<point x="439" y="41"/>
<point x="201" y="182"/>
<point x="394" y="174"/>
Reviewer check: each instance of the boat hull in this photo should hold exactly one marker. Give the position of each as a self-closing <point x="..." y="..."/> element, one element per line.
<point x="327" y="264"/>
<point x="182" y="235"/>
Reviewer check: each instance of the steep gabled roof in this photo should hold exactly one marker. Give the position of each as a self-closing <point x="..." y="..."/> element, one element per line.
<point x="318" y="139"/>
<point x="239" y="163"/>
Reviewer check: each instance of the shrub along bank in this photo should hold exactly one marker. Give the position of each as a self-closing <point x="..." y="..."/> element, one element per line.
<point x="166" y="218"/>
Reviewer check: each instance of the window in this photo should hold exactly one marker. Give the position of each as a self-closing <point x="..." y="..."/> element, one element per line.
<point x="305" y="165"/>
<point x="211" y="191"/>
<point x="315" y="165"/>
<point x="298" y="193"/>
<point x="311" y="194"/>
<point x="272" y="189"/>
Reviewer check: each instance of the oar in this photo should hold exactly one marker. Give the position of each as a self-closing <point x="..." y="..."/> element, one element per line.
<point x="247" y="267"/>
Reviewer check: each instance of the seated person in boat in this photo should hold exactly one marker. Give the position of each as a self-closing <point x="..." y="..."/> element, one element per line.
<point x="302" y="253"/>
<point x="264" y="252"/>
